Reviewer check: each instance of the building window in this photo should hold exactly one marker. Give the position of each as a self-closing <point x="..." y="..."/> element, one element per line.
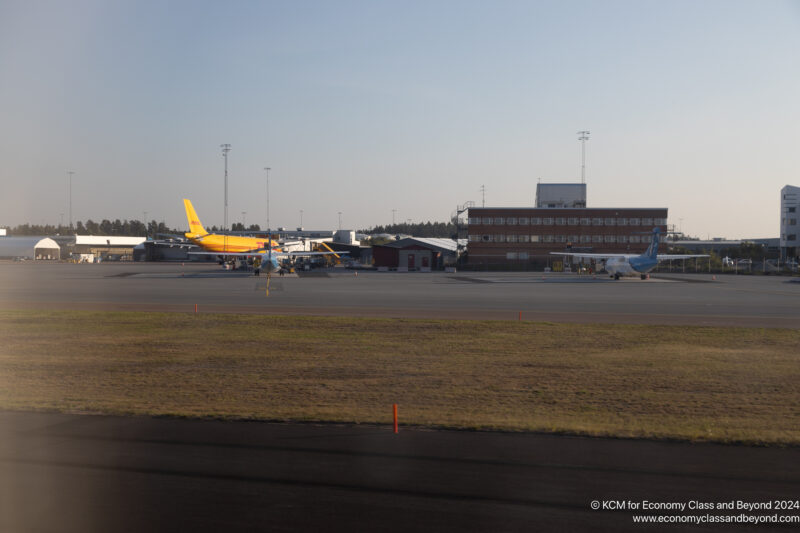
<point x="511" y="255"/>
<point x="561" y="221"/>
<point x="474" y="238"/>
<point x="622" y="222"/>
<point x="586" y="238"/>
<point x="792" y="209"/>
<point x="536" y="238"/>
<point x="647" y="222"/>
<point x="523" y="256"/>
<point x="597" y="222"/>
<point x="523" y="221"/>
<point x="473" y="221"/>
<point x="536" y="221"/>
<point x="573" y="238"/>
<point x="524" y="238"/>
<point x="622" y="238"/>
<point x="511" y="238"/>
<point x="633" y="221"/>
<point x="561" y="238"/>
<point x="511" y="221"/>
<point x="572" y="221"/>
<point x="487" y="221"/>
<point x="499" y="238"/>
<point x="547" y="221"/>
<point x="486" y="238"/>
<point x="547" y="238"/>
<point x="611" y="221"/>
<point x="635" y="239"/>
<point x="498" y="221"/>
<point x="660" y="221"/>
<point x="586" y="221"/>
<point x="792" y="237"/>
<point x="610" y="238"/>
<point x="597" y="238"/>
<point x="792" y="221"/>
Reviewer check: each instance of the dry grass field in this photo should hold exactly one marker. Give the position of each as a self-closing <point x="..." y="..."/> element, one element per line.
<point x="696" y="383"/>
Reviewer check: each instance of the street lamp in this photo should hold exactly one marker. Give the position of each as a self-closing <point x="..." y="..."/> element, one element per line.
<point x="267" y="169"/>
<point x="70" y="197"/>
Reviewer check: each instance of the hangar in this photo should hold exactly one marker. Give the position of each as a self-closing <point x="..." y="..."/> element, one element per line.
<point x="416" y="253"/>
<point x="29" y="248"/>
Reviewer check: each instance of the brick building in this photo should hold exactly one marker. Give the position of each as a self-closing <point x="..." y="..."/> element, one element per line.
<point x="525" y="236"/>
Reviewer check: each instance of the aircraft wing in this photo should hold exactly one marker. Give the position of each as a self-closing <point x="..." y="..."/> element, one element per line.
<point x="592" y="256"/>
<point x="667" y="257"/>
<point x="275" y="254"/>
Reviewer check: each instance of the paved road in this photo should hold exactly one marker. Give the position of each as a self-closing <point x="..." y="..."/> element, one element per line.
<point x="762" y="301"/>
<point x="97" y="473"/>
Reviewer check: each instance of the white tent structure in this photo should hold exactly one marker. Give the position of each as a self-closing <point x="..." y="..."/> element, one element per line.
<point x="42" y="248"/>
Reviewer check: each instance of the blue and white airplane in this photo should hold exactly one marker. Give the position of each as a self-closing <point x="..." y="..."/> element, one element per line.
<point x="618" y="265"/>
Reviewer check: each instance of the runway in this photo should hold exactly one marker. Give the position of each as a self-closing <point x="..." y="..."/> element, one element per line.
<point x="691" y="299"/>
<point x="98" y="473"/>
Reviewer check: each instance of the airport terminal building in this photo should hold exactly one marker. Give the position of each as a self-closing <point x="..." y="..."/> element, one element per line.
<point x="524" y="236"/>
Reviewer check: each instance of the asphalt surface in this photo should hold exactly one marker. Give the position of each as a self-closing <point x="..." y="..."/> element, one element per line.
<point x="70" y="473"/>
<point x="695" y="299"/>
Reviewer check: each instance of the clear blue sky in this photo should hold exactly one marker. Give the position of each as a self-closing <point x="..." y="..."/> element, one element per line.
<point x="363" y="107"/>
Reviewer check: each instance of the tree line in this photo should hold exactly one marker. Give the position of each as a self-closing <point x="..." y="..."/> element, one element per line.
<point x="422" y="229"/>
<point x="128" y="228"/>
<point x="137" y="228"/>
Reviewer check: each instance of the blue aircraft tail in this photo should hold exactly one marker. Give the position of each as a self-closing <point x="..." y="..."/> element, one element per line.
<point x="652" y="250"/>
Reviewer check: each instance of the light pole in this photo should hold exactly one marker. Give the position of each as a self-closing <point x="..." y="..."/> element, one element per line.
<point x="70" y="198"/>
<point x="583" y="137"/>
<point x="340" y="220"/>
<point x="244" y="225"/>
<point x="145" y="224"/>
<point x="225" y="149"/>
<point x="267" y="169"/>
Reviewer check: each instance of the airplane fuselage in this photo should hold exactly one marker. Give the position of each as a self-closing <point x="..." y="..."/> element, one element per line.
<point x="214" y="242"/>
<point x="629" y="266"/>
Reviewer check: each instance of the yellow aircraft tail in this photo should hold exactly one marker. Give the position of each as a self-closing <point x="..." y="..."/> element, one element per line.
<point x="196" y="228"/>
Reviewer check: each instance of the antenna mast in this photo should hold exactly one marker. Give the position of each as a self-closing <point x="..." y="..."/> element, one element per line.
<point x="583" y="137"/>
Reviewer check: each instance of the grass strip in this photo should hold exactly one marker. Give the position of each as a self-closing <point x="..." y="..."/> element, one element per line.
<point x="695" y="383"/>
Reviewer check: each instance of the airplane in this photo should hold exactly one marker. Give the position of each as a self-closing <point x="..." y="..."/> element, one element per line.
<point x="618" y="265"/>
<point x="236" y="246"/>
<point x="219" y="243"/>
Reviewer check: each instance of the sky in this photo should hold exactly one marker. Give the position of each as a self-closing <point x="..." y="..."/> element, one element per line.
<point x="382" y="109"/>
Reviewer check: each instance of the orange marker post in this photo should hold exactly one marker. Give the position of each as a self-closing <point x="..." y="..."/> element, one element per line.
<point x="195" y="308"/>
<point x="520" y="316"/>
<point x="394" y="409"/>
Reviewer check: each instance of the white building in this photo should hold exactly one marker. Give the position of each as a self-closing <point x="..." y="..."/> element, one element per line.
<point x="790" y="213"/>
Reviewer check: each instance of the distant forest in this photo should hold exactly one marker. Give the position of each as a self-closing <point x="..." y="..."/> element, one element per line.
<point x="137" y="228"/>
<point x="129" y="228"/>
<point x="422" y="229"/>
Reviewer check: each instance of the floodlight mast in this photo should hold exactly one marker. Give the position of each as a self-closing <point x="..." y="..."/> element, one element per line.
<point x="583" y="137"/>
<point x="225" y="149"/>
<point x="267" y="169"/>
<point x="70" y="172"/>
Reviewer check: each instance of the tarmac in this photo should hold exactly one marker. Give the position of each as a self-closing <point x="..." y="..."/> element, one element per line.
<point x="72" y="473"/>
<point x="690" y="299"/>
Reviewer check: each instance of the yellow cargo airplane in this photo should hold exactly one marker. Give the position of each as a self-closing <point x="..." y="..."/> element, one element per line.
<point x="235" y="246"/>
<point x="222" y="244"/>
